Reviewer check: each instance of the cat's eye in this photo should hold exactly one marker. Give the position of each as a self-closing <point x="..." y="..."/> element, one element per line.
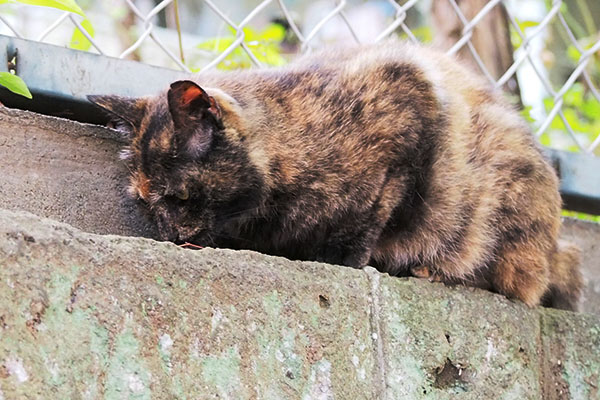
<point x="183" y="194"/>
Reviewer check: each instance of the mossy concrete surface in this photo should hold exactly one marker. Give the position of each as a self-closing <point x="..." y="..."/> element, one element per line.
<point x="85" y="316"/>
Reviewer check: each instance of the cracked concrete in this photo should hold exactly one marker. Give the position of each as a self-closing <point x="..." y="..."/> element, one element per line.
<point x="375" y="316"/>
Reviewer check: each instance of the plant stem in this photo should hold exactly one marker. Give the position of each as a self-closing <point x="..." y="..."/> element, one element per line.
<point x="178" y="30"/>
<point x="584" y="9"/>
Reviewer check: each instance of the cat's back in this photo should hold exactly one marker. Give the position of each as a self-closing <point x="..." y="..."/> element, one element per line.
<point x="352" y="109"/>
<point x="478" y="133"/>
<point x="366" y="101"/>
<point x="347" y="86"/>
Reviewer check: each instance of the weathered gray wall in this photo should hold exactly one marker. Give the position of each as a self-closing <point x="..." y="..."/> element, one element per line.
<point x="88" y="316"/>
<point x="65" y="170"/>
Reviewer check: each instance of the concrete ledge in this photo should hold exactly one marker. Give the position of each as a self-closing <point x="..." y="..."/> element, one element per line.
<point x="89" y="316"/>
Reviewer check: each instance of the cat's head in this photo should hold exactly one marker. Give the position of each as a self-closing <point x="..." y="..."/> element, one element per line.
<point x="186" y="166"/>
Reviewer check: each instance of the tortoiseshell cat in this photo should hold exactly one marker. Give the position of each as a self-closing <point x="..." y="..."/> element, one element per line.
<point x="392" y="155"/>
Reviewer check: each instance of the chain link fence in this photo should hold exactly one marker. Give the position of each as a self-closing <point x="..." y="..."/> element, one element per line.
<point x="564" y="110"/>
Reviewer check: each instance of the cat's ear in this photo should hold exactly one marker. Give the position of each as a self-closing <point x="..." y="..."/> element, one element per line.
<point x="189" y="103"/>
<point x="130" y="110"/>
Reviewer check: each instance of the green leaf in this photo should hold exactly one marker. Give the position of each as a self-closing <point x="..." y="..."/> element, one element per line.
<point x="264" y="45"/>
<point x="217" y="45"/>
<point x="526" y="113"/>
<point x="557" y="123"/>
<point x="423" y="33"/>
<point x="274" y="32"/>
<point x="591" y="109"/>
<point x="272" y="56"/>
<point x="250" y="34"/>
<point x="78" y="39"/>
<point x="574" y="96"/>
<point x="66" y="5"/>
<point x="573" y="119"/>
<point x="14" y="84"/>
<point x="573" y="53"/>
<point x="527" y="24"/>
<point x="545" y="139"/>
<point x="515" y="39"/>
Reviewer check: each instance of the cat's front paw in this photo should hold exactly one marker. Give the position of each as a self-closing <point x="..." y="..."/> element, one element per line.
<point x="424" y="272"/>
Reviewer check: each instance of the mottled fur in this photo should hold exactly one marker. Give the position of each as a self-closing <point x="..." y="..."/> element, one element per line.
<point x="393" y="155"/>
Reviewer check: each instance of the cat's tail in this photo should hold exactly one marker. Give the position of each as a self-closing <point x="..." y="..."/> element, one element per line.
<point x="566" y="281"/>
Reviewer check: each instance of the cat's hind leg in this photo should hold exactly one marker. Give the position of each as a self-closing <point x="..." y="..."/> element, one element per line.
<point x="566" y="281"/>
<point x="522" y="267"/>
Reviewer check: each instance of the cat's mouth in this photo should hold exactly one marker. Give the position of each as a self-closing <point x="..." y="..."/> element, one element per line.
<point x="182" y="235"/>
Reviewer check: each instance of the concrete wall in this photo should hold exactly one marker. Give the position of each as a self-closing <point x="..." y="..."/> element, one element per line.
<point x="68" y="171"/>
<point x="89" y="316"/>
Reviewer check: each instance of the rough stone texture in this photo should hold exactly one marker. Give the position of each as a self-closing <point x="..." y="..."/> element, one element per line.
<point x="453" y="343"/>
<point x="89" y="316"/>
<point x="86" y="315"/>
<point x="68" y="171"/>
<point x="570" y="372"/>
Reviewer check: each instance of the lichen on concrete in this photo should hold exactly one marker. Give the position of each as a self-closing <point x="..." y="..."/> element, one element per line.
<point x="223" y="373"/>
<point x="89" y="316"/>
<point x="127" y="374"/>
<point x="452" y="345"/>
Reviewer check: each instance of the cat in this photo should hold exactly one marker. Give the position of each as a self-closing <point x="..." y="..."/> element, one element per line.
<point x="392" y="155"/>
